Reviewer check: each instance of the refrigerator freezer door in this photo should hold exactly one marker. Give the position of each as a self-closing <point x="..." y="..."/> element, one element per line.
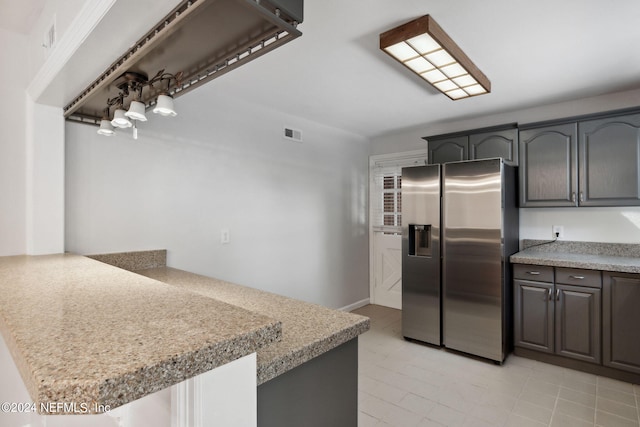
<point x="421" y="253"/>
<point x="472" y="258"/>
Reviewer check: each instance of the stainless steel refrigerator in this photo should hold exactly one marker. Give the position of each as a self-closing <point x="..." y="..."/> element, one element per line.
<point x="460" y="225"/>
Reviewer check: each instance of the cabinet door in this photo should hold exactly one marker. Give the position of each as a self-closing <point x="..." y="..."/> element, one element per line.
<point x="577" y="312"/>
<point x="548" y="166"/>
<point x="488" y="145"/>
<point x="621" y="317"/>
<point x="609" y="151"/>
<point x="533" y="315"/>
<point x="448" y="150"/>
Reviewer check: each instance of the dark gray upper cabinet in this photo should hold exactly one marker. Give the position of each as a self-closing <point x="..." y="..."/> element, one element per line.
<point x="487" y="145"/>
<point x="584" y="162"/>
<point x="620" y="320"/>
<point x="445" y="150"/>
<point x="548" y="166"/>
<point x="609" y="150"/>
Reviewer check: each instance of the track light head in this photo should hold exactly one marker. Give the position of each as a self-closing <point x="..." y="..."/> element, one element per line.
<point x="136" y="111"/>
<point x="106" y="128"/>
<point x="120" y="120"/>
<point x="164" y="106"/>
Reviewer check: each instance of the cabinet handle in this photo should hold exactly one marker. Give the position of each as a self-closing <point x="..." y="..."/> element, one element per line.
<point x="577" y="277"/>
<point x="533" y="273"/>
<point x="573" y="197"/>
<point x="557" y="294"/>
<point x="548" y="294"/>
<point x="581" y="197"/>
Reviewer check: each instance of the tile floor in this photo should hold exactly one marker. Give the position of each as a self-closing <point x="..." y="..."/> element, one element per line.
<point x="402" y="383"/>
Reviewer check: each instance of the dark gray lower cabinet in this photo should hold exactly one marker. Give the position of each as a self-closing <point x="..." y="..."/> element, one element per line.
<point x="533" y="315"/>
<point x="319" y="393"/>
<point x="578" y="322"/>
<point x="557" y="318"/>
<point x="621" y="321"/>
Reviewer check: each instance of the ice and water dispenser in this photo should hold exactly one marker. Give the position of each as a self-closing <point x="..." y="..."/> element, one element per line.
<point x="420" y="240"/>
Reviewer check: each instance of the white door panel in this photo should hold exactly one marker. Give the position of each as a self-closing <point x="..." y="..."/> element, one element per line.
<point x="388" y="270"/>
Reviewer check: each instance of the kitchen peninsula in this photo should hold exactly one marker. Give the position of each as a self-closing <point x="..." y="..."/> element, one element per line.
<point x="81" y="331"/>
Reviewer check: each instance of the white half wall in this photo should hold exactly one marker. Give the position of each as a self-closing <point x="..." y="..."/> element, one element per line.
<point x="616" y="225"/>
<point x="296" y="213"/>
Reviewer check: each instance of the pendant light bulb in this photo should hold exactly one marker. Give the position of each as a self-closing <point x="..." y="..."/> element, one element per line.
<point x="136" y="111"/>
<point x="120" y="120"/>
<point x="164" y="106"/>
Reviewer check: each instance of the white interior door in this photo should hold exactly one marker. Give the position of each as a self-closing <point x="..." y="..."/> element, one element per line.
<point x="385" y="219"/>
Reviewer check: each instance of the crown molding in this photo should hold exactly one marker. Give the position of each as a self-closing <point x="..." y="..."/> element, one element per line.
<point x="82" y="25"/>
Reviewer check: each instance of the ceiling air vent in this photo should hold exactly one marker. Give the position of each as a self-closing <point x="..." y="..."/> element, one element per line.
<point x="49" y="37"/>
<point x="293" y="134"/>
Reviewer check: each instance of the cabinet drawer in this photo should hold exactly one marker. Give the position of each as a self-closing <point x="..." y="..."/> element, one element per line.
<point x="538" y="273"/>
<point x="579" y="277"/>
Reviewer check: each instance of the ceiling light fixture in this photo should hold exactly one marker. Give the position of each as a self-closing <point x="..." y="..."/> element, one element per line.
<point x="131" y="82"/>
<point x="423" y="47"/>
<point x="204" y="38"/>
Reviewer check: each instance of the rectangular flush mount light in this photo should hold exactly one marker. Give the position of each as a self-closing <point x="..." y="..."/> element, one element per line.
<point x="422" y="46"/>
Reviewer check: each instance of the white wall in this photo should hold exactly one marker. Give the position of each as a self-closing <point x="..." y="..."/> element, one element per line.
<point x="296" y="212"/>
<point x="12" y="144"/>
<point x="45" y="179"/>
<point x="583" y="224"/>
<point x="618" y="225"/>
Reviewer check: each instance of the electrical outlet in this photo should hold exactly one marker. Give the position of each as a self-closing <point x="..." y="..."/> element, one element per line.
<point x="558" y="231"/>
<point x="224" y="236"/>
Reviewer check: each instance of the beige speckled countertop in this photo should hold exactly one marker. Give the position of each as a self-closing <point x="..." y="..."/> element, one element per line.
<point x="308" y="330"/>
<point x="86" y="332"/>
<point x="622" y="258"/>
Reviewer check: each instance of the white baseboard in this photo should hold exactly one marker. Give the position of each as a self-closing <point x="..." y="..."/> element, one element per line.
<point x="355" y="305"/>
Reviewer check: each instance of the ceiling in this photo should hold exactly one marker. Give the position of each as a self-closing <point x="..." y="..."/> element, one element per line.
<point x="534" y="53"/>
<point x="19" y="16"/>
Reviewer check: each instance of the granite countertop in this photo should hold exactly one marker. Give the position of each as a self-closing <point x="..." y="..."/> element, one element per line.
<point x="87" y="332"/>
<point x="308" y="330"/>
<point x="621" y="258"/>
